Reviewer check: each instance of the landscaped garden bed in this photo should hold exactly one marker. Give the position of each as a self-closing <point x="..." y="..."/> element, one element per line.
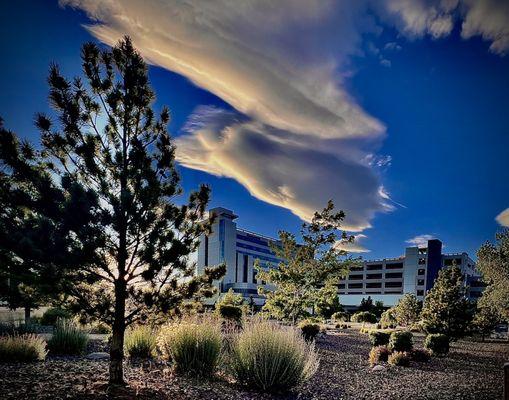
<point x="472" y="370"/>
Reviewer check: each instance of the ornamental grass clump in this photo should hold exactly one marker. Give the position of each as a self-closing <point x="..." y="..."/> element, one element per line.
<point x="140" y="342"/>
<point x="24" y="348"/>
<point x="399" y="358"/>
<point x="378" y="354"/>
<point x="194" y="345"/>
<point x="68" y="339"/>
<point x="270" y="357"/>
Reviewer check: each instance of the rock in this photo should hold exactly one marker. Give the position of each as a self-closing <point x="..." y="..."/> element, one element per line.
<point x="378" y="368"/>
<point x="98" y="355"/>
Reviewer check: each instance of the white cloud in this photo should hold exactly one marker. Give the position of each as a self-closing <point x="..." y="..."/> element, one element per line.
<point x="420" y="240"/>
<point x="281" y="167"/>
<point x="503" y="218"/>
<point x="353" y="247"/>
<point x="489" y="19"/>
<point x="296" y="138"/>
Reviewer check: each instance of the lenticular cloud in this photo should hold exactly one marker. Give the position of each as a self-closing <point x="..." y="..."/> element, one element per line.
<point x="296" y="138"/>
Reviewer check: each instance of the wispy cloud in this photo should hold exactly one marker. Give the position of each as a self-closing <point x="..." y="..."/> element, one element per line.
<point x="503" y="218"/>
<point x="420" y="240"/>
<point x="296" y="137"/>
<point x="353" y="247"/>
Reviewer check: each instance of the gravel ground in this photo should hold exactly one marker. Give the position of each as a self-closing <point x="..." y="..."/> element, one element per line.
<point x="472" y="370"/>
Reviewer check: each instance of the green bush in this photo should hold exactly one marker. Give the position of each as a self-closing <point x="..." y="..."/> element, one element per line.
<point x="437" y="344"/>
<point x="230" y="312"/>
<point x="140" y="342"/>
<point x="378" y="338"/>
<point x="378" y="354"/>
<point x="22" y="348"/>
<point x="420" y="355"/>
<point x="364" y="316"/>
<point x="341" y="316"/>
<point x="271" y="357"/>
<point x="52" y="315"/>
<point x="399" y="358"/>
<point x="193" y="345"/>
<point x="342" y="326"/>
<point x="68" y="339"/>
<point x="401" y="341"/>
<point x="388" y="319"/>
<point x="309" y="329"/>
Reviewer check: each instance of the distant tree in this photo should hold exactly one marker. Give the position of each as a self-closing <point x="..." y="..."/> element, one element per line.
<point x="366" y="304"/>
<point x="408" y="310"/>
<point x="327" y="300"/>
<point x="388" y="319"/>
<point x="136" y="239"/>
<point x="487" y="316"/>
<point x="446" y="310"/>
<point x="493" y="263"/>
<point x="307" y="266"/>
<point x="378" y="308"/>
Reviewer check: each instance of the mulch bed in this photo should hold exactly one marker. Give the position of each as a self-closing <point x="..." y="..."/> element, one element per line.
<point x="472" y="370"/>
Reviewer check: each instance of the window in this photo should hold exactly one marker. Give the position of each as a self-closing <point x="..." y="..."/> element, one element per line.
<point x="357" y="268"/>
<point x="420" y="282"/>
<point x="254" y="275"/>
<point x="394" y="266"/>
<point x="206" y="251"/>
<point x="374" y="276"/>
<point x="355" y="286"/>
<point x="373" y="267"/>
<point x="420" y="293"/>
<point x="373" y="284"/>
<point x="390" y="275"/>
<point x="244" y="272"/>
<point x="393" y="284"/>
<point x="355" y="277"/>
<point x="420" y="271"/>
<point x="341" y="286"/>
<point x="422" y="261"/>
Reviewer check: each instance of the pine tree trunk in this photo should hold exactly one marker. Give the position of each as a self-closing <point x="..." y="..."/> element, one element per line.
<point x="27" y="314"/>
<point x="117" y="339"/>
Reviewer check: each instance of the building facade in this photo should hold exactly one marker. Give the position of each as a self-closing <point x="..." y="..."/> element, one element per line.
<point x="384" y="280"/>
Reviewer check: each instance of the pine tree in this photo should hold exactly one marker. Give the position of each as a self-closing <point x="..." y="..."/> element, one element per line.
<point x="493" y="263"/>
<point x="33" y="237"/>
<point x="137" y="241"/>
<point x="487" y="315"/>
<point x="307" y="266"/>
<point x="408" y="310"/>
<point x="446" y="309"/>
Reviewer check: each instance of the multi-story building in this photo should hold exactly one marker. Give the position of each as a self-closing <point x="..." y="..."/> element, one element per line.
<point x="238" y="249"/>
<point x="385" y="279"/>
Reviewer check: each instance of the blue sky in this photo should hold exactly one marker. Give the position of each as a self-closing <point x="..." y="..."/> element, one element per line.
<point x="403" y="121"/>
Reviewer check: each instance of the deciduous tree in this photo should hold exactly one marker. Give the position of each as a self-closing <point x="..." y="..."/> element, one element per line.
<point x="307" y="266"/>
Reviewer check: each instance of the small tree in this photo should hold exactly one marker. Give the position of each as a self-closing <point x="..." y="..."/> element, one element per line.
<point x="378" y="308"/>
<point x="307" y="266"/>
<point x="133" y="239"/>
<point x="408" y="310"/>
<point x="446" y="310"/>
<point x="327" y="302"/>
<point x="487" y="316"/>
<point x="366" y="304"/>
<point x="493" y="263"/>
